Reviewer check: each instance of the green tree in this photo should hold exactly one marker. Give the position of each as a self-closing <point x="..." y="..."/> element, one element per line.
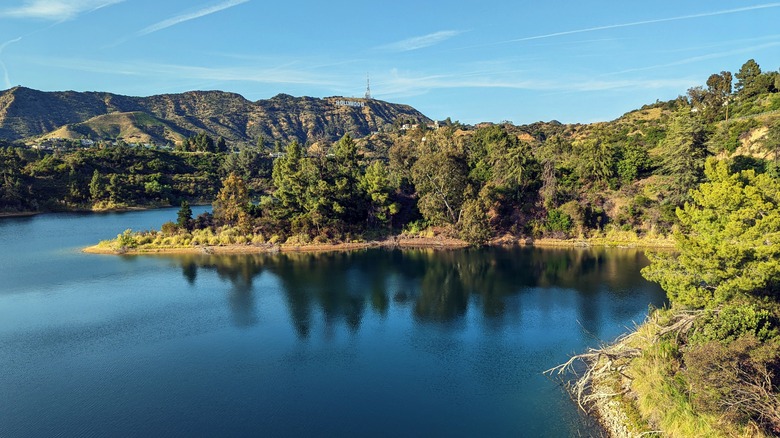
<point x="683" y="154"/>
<point x="96" y="187"/>
<point x="474" y="225"/>
<point x="221" y="145"/>
<point x="771" y="143"/>
<point x="719" y="89"/>
<point x="440" y="178"/>
<point x="633" y="161"/>
<point x="376" y="184"/>
<point x="184" y="216"/>
<point x="595" y="157"/>
<point x="549" y="155"/>
<point x="749" y="81"/>
<point x="249" y="163"/>
<point x="116" y="189"/>
<point x="729" y="241"/>
<point x="290" y="179"/>
<point x="348" y="199"/>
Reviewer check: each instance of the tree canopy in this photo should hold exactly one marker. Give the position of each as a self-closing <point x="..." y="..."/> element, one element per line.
<point x="728" y="243"/>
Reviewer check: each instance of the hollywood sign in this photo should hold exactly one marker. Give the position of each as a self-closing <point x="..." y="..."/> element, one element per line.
<point x="352" y="103"/>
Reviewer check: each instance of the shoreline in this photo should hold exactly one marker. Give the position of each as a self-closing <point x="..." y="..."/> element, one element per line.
<point x="410" y="243"/>
<point x="19" y="214"/>
<point x="392" y="242"/>
<point x="96" y="210"/>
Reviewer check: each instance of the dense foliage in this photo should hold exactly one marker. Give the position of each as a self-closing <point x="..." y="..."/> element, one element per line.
<point x="728" y="241"/>
<point x="721" y="367"/>
<point x="473" y="182"/>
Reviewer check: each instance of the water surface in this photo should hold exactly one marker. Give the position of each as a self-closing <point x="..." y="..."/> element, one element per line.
<point x="371" y="343"/>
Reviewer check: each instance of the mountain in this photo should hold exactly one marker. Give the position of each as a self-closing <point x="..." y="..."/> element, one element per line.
<point x="168" y="118"/>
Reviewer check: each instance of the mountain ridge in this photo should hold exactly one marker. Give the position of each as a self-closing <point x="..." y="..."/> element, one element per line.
<point x="27" y="114"/>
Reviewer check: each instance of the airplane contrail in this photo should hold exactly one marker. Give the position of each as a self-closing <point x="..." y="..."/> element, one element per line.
<point x="644" y="22"/>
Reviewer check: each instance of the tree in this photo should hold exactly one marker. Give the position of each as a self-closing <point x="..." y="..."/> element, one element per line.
<point x="375" y="182"/>
<point x="348" y="199"/>
<point x="116" y="189"/>
<point x="634" y="160"/>
<point x="729" y="241"/>
<point x="249" y="163"/>
<point x="221" y="145"/>
<point x="720" y="84"/>
<point x="290" y="182"/>
<point x="474" y="225"/>
<point x="549" y="155"/>
<point x="748" y="79"/>
<point x="683" y="154"/>
<point x="440" y="177"/>
<point x="232" y="203"/>
<point x="771" y="143"/>
<point x="184" y="216"/>
<point x="596" y="157"/>
<point x="96" y="188"/>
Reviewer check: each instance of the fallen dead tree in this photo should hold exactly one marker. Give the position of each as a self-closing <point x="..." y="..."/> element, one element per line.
<point x="595" y="364"/>
<point x="599" y="379"/>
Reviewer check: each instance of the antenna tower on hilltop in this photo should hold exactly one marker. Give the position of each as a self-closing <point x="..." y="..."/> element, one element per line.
<point x="368" y="87"/>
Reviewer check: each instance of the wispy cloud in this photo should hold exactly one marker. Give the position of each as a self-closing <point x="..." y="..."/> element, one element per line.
<point x="6" y="79"/>
<point x="646" y="22"/>
<point x="420" y="42"/>
<point x="399" y="84"/>
<point x="694" y="59"/>
<point x="55" y="10"/>
<point x="208" y="75"/>
<point x="178" y="19"/>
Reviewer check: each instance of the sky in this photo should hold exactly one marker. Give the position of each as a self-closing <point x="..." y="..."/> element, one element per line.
<point x="519" y="61"/>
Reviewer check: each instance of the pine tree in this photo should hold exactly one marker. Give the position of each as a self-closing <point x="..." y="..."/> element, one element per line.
<point x="684" y="152"/>
<point x="232" y="201"/>
<point x="729" y="242"/>
<point x="96" y="188"/>
<point x="184" y="216"/>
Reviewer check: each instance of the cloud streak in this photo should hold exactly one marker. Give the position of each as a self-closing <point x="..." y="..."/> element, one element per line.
<point x="55" y="10"/>
<point x="404" y="85"/>
<point x="6" y="78"/>
<point x="162" y="71"/>
<point x="646" y="22"/>
<point x="178" y="19"/>
<point x="420" y="42"/>
<point x="699" y="58"/>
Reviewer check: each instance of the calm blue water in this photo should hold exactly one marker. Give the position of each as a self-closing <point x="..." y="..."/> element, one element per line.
<point x="369" y="343"/>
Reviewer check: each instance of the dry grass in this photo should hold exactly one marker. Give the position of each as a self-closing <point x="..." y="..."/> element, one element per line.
<point x="634" y="384"/>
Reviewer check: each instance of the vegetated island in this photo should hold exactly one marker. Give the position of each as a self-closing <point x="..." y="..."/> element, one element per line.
<point x="702" y="170"/>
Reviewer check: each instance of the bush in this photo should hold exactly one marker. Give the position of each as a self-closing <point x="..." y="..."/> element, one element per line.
<point x="738" y="380"/>
<point x="126" y="239"/>
<point x="735" y="321"/>
<point x="169" y="228"/>
<point x="474" y="225"/>
<point x="558" y="221"/>
<point x="414" y="228"/>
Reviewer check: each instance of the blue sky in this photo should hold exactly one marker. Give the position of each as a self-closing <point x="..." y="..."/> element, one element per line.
<point x="573" y="61"/>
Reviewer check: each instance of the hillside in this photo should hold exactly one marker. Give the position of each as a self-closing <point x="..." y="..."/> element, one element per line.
<point x="27" y="114"/>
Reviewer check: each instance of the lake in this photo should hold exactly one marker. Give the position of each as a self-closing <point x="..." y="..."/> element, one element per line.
<point x="376" y="342"/>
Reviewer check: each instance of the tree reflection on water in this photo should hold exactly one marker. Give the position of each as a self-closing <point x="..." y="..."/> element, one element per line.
<point x="438" y="286"/>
